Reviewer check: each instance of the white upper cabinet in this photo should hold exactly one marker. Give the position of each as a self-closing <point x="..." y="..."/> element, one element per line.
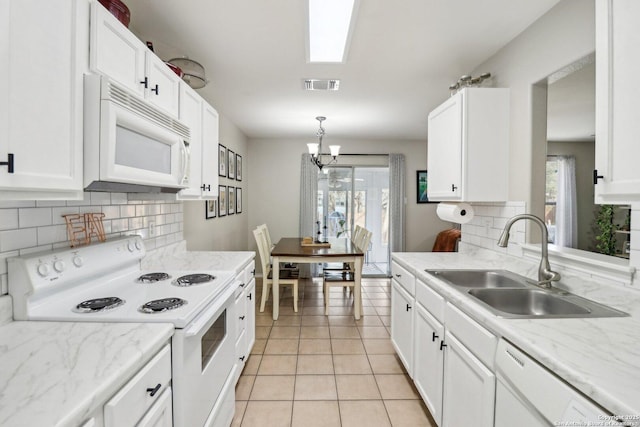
<point x="45" y="51"/>
<point x="116" y="52"/>
<point x="202" y="119"/>
<point x="468" y="147"/>
<point x="617" y="175"/>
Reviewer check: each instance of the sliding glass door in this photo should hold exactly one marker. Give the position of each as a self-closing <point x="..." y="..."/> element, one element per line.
<point x="350" y="196"/>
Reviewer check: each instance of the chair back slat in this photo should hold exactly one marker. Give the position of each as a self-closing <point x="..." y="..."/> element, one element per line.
<point x="262" y="250"/>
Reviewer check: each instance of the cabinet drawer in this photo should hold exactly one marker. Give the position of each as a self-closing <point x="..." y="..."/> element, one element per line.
<point x="476" y="338"/>
<point x="134" y="399"/>
<point x="249" y="272"/>
<point x="402" y="276"/>
<point x="430" y="300"/>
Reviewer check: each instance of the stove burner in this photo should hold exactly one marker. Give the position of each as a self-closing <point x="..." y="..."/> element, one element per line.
<point x="160" y="305"/>
<point x="99" y="304"/>
<point x="153" y="277"/>
<point x="193" y="279"/>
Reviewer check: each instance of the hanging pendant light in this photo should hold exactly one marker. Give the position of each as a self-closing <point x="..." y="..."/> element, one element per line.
<point x="193" y="72"/>
<point x="315" y="149"/>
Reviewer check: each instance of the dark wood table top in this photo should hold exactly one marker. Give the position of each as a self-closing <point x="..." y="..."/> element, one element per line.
<point x="291" y="246"/>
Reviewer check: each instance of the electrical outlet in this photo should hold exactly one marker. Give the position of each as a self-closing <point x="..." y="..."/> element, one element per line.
<point x="152" y="229"/>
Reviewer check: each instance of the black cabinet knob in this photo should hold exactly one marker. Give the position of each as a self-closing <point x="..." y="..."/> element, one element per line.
<point x="596" y="177"/>
<point x="145" y="82"/>
<point x="156" y="90"/>
<point x="8" y="163"/>
<point x="249" y="296"/>
<point x="442" y="345"/>
<point x="408" y="307"/>
<point x="453" y="187"/>
<point x="152" y="391"/>
<point x="433" y="337"/>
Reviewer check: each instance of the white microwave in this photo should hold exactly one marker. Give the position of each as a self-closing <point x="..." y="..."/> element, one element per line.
<point x="130" y="145"/>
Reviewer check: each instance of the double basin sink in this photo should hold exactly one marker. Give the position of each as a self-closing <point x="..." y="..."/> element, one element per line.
<point x="510" y="295"/>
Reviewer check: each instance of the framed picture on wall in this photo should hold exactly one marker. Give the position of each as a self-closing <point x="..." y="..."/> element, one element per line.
<point x="238" y="167"/>
<point x="238" y="200"/>
<point x="222" y="160"/>
<point x="211" y="209"/>
<point x="232" y="200"/>
<point x="222" y="200"/>
<point x="421" y="185"/>
<point x="231" y="165"/>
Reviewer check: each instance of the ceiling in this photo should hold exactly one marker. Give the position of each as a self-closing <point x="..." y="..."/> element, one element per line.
<point x="401" y="59"/>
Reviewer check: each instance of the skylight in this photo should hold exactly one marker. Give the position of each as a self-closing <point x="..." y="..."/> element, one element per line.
<point x="329" y="29"/>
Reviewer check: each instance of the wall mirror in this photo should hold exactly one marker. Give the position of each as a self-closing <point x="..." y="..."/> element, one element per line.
<point x="572" y="218"/>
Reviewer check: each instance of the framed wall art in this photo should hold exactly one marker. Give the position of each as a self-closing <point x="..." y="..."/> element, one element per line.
<point x="211" y="209"/>
<point x="421" y="185"/>
<point x="222" y="160"/>
<point x="238" y="200"/>
<point x="222" y="200"/>
<point x="238" y="167"/>
<point x="232" y="200"/>
<point x="231" y="165"/>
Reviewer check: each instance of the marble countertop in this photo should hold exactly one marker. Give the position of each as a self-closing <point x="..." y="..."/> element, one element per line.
<point x="58" y="373"/>
<point x="176" y="257"/>
<point x="598" y="356"/>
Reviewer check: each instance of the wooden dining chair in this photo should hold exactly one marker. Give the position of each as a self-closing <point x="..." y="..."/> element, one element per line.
<point x="346" y="277"/>
<point x="270" y="246"/>
<point x="288" y="276"/>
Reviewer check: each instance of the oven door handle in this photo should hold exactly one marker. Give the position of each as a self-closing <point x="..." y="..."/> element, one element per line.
<point x="200" y="323"/>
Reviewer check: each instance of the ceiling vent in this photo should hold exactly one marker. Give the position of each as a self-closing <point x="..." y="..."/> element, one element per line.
<point x="318" y="84"/>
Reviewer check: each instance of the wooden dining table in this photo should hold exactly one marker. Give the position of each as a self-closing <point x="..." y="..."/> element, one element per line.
<point x="290" y="249"/>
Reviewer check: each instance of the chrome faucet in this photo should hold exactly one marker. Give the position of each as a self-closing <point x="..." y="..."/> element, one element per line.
<point x="545" y="274"/>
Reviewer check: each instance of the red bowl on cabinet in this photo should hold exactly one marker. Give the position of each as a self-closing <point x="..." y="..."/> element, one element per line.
<point x="118" y="9"/>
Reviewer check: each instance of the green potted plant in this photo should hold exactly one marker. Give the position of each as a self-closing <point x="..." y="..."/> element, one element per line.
<point x="341" y="224"/>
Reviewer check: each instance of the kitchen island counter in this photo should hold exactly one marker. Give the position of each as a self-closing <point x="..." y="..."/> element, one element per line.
<point x="61" y="373"/>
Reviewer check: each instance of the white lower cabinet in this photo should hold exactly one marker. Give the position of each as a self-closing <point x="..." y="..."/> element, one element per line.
<point x="245" y="307"/>
<point x="469" y="388"/>
<point x="402" y="325"/>
<point x="146" y="399"/>
<point x="449" y="356"/>
<point x="428" y="367"/>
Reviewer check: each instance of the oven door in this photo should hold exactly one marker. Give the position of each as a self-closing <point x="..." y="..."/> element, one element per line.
<point x="203" y="358"/>
<point x="135" y="150"/>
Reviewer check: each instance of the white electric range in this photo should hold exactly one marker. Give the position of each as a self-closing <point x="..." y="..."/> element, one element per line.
<point x="104" y="283"/>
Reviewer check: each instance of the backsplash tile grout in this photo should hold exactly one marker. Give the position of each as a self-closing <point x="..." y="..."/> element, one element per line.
<point x="34" y="226"/>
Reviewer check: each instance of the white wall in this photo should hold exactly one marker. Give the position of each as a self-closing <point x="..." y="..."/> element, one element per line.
<point x="274" y="176"/>
<point x="228" y="233"/>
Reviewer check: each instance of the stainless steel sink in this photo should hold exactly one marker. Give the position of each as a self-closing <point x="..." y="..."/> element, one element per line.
<point x="510" y="295"/>
<point x="480" y="278"/>
<point x="540" y="303"/>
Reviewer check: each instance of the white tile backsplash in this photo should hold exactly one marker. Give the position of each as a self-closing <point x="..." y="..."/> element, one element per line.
<point x="29" y="226"/>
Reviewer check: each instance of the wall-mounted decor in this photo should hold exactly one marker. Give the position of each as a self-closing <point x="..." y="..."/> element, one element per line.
<point x="238" y="200"/>
<point x="210" y="209"/>
<point x="231" y="165"/>
<point x="222" y="160"/>
<point x="421" y="185"/>
<point x="238" y="167"/>
<point x="232" y="200"/>
<point x="222" y="200"/>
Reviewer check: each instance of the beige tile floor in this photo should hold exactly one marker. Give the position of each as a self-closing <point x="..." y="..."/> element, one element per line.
<point x="308" y="369"/>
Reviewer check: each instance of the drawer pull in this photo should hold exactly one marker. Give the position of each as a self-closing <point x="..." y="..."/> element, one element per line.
<point x="249" y="296"/>
<point x="145" y="82"/>
<point x="433" y="337"/>
<point x="242" y="285"/>
<point x="453" y="187"/>
<point x="152" y="391"/>
<point x="408" y="307"/>
<point x="398" y="275"/>
<point x="156" y="90"/>
<point x="241" y="359"/>
<point x="442" y="345"/>
<point x="241" y="317"/>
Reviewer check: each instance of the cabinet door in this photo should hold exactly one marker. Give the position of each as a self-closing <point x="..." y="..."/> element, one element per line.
<point x="444" y="158"/>
<point x="250" y="324"/>
<point x="617" y="125"/>
<point x="44" y="46"/>
<point x="469" y="388"/>
<point x="209" y="152"/>
<point x="402" y="325"/>
<point x="160" y="414"/>
<point x="115" y="51"/>
<point x="191" y="115"/>
<point x="428" y="359"/>
<point x="163" y="86"/>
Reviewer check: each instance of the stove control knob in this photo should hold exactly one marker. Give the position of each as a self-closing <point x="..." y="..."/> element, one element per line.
<point x="138" y="245"/>
<point x="44" y="270"/>
<point x="59" y="266"/>
<point x="78" y="261"/>
<point x="130" y="246"/>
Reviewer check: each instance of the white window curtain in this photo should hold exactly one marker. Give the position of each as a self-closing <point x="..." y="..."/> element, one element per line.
<point x="308" y="199"/>
<point x="566" y="210"/>
<point x="397" y="199"/>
